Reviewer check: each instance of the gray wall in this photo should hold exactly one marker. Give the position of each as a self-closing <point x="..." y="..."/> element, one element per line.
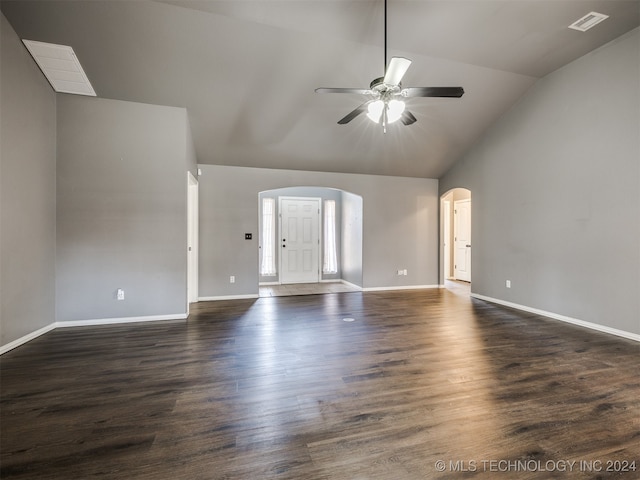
<point x="556" y="193"/>
<point x="121" y="209"/>
<point x="192" y="160"/>
<point x="400" y="226"/>
<point x="27" y="192"/>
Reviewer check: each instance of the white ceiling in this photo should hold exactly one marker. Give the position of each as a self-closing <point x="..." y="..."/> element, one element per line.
<point x="246" y="70"/>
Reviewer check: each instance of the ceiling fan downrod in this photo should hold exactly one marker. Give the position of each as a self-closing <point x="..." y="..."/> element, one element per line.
<point x="383" y="118"/>
<point x="385" y="38"/>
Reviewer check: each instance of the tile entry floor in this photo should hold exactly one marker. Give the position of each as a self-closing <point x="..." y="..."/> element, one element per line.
<point x="305" y="289"/>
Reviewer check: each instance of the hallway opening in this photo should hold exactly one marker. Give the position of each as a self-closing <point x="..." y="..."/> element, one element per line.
<point x="455" y="233"/>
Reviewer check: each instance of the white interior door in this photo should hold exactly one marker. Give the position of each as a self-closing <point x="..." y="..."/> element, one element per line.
<point x="462" y="239"/>
<point x="299" y="240"/>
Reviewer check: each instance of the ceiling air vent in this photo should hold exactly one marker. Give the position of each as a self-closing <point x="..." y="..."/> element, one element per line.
<point x="588" y="21"/>
<point x="61" y="67"/>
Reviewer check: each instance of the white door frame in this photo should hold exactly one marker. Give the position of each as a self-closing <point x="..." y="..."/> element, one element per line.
<point x="192" y="239"/>
<point x="279" y="239"/>
<point x="446" y="225"/>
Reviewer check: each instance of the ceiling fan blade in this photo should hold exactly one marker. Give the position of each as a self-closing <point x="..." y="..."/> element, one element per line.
<point x="359" y="91"/>
<point x="432" y="92"/>
<point x="350" y="116"/>
<point x="398" y="66"/>
<point x="407" y="118"/>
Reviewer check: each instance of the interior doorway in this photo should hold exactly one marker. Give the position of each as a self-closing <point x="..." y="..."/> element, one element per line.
<point x="462" y="240"/>
<point x="192" y="239"/>
<point x="456" y="235"/>
<point x="335" y="250"/>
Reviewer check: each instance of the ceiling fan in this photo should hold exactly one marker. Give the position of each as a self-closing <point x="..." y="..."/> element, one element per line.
<point x="385" y="104"/>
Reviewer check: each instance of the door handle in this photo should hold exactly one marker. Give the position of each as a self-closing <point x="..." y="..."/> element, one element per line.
<point x="468" y="246"/>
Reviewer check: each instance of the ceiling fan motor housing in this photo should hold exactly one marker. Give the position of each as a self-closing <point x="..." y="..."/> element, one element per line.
<point x="383" y="89"/>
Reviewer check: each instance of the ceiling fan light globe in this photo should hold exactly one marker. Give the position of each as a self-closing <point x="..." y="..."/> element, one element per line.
<point x="375" y="110"/>
<point x="395" y="110"/>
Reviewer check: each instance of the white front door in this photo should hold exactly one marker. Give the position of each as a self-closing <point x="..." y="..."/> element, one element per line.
<point x="462" y="239"/>
<point x="299" y="240"/>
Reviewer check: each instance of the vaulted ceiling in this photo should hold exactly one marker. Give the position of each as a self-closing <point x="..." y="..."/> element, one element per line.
<point x="246" y="70"/>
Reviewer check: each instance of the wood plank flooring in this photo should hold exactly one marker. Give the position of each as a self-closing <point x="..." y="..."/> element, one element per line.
<point x="284" y="388"/>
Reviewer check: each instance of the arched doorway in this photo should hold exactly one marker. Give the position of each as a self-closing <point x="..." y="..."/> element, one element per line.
<point x="455" y="230"/>
<point x="337" y="258"/>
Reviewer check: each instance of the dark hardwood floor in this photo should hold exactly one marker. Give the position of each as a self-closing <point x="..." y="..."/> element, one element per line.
<point x="283" y="387"/>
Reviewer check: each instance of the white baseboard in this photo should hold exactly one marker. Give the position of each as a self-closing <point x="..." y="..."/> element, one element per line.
<point x="268" y="284"/>
<point x="405" y="287"/>
<point x="87" y="323"/>
<point x="112" y="321"/>
<point x="562" y="318"/>
<point x="228" y="297"/>
<point x="28" y="337"/>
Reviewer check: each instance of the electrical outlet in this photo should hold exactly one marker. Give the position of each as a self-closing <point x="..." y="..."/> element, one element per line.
<point x="508" y="283"/>
<point x="404" y="272"/>
<point x="120" y="294"/>
<point x="399" y="272"/>
<point x="232" y="279"/>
